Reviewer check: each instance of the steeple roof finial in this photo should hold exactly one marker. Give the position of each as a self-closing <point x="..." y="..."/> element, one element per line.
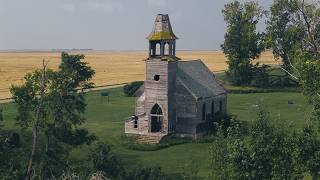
<point x="162" y="29"/>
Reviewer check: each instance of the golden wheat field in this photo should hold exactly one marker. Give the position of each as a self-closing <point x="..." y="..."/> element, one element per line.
<point x="110" y="67"/>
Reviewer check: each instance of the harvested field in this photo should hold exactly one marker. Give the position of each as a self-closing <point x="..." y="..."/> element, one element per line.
<point x="111" y="67"/>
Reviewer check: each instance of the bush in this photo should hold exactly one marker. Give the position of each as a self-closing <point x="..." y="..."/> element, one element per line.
<point x="130" y="142"/>
<point x="145" y="173"/>
<point x="248" y="90"/>
<point x="103" y="159"/>
<point x="131" y="88"/>
<point x="172" y="140"/>
<point x="261" y="76"/>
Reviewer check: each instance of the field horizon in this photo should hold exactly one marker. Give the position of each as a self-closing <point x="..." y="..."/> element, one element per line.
<point x="112" y="67"/>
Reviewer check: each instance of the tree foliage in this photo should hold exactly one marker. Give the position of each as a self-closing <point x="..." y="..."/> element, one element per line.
<point x="145" y="173"/>
<point x="131" y="88"/>
<point x="9" y="148"/>
<point x="266" y="153"/>
<point x="309" y="151"/>
<point x="51" y="103"/>
<point x="283" y="32"/>
<point x="103" y="159"/>
<point x="242" y="41"/>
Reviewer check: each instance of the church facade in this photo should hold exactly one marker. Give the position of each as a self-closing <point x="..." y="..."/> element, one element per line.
<point x="177" y="96"/>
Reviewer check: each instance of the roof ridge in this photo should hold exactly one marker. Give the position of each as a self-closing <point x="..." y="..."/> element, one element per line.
<point x="162" y="29"/>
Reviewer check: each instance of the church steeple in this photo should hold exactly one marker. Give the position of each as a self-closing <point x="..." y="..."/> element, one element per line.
<point x="162" y="41"/>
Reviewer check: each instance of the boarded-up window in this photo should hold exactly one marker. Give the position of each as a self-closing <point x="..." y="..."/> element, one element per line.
<point x="212" y="109"/>
<point x="204" y="111"/>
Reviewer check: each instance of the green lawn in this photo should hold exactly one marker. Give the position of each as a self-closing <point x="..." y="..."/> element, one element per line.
<point x="106" y="121"/>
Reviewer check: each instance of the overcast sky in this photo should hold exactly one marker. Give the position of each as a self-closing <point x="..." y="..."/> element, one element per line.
<point x="109" y="24"/>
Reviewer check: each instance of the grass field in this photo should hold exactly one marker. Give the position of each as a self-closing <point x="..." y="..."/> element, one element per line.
<point x="106" y="121"/>
<point x="110" y="67"/>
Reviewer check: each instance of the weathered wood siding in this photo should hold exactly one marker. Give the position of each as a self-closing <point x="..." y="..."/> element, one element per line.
<point x="186" y="110"/>
<point x="140" y="104"/>
<point x="157" y="91"/>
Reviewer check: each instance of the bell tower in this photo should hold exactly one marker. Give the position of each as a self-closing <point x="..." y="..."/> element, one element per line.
<point x="160" y="84"/>
<point x="162" y="41"/>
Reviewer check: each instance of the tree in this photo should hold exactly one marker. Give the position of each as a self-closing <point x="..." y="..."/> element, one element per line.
<point x="284" y="35"/>
<point x="131" y="88"/>
<point x="267" y="153"/>
<point x="301" y="20"/>
<point x="10" y="166"/>
<point x="51" y="103"/>
<point x="146" y="173"/>
<point x="309" y="54"/>
<point x="221" y="168"/>
<point x="103" y="159"/>
<point x="309" y="152"/>
<point x="30" y="100"/>
<point x="242" y="41"/>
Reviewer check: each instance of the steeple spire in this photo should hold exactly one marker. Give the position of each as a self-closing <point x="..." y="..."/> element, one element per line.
<point x="162" y="40"/>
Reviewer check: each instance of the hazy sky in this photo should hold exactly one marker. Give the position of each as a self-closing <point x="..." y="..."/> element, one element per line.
<point x="108" y="24"/>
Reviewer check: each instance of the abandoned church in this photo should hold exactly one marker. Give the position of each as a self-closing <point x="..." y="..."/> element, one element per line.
<point x="177" y="96"/>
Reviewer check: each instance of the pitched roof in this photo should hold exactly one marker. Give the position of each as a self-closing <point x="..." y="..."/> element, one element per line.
<point x="162" y="29"/>
<point x="199" y="79"/>
<point x="140" y="91"/>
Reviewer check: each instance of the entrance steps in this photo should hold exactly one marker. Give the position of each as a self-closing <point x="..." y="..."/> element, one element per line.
<point x="149" y="138"/>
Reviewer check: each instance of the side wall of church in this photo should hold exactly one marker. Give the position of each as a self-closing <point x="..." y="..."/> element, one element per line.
<point x="186" y="111"/>
<point x="208" y="103"/>
<point x="219" y="105"/>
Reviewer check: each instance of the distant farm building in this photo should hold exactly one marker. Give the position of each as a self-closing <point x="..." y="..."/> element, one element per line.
<point x="177" y="96"/>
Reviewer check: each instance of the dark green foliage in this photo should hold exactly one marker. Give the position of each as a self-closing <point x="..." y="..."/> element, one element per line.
<point x="264" y="79"/>
<point x="165" y="142"/>
<point x="221" y="167"/>
<point x="103" y="159"/>
<point x="145" y="173"/>
<point x="10" y="166"/>
<point x="51" y="104"/>
<point x="284" y="35"/>
<point x="261" y="76"/>
<point x="309" y="151"/>
<point x="1" y="116"/>
<point x="268" y="153"/>
<point x="104" y="94"/>
<point x="13" y="139"/>
<point x="242" y="42"/>
<point x="131" y="88"/>
<point x="172" y="140"/>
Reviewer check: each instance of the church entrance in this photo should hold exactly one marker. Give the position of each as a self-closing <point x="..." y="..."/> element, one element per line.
<point x="156" y="118"/>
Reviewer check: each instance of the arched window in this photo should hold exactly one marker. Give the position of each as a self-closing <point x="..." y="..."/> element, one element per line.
<point x="204" y="111"/>
<point x="166" y="49"/>
<point x="158" y="49"/>
<point x="212" y="109"/>
<point x="156" y="118"/>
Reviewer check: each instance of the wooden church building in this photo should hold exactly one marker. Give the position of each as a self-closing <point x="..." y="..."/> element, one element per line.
<point x="177" y="96"/>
